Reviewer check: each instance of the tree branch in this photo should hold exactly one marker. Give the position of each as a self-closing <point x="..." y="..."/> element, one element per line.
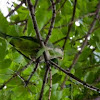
<point x="52" y="20"/>
<point x="86" y="38"/>
<point x="91" y="67"/>
<point x="32" y="13"/>
<point x="36" y="2"/>
<point x="70" y="25"/>
<point x="44" y="81"/>
<point x="34" y="70"/>
<point x="12" y="11"/>
<point x="81" y="17"/>
<point x="76" y="57"/>
<point x="62" y="5"/>
<point x="15" y="74"/>
<point x="50" y="88"/>
<point x="75" y="78"/>
<point x="57" y="1"/>
<point x="17" y="22"/>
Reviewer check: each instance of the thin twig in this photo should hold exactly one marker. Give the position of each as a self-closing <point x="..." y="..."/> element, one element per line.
<point x="75" y="78"/>
<point x="62" y="6"/>
<point x="17" y="22"/>
<point x="35" y="5"/>
<point x="52" y="21"/>
<point x="18" y="6"/>
<point x="59" y="40"/>
<point x="46" y="24"/>
<point x="70" y="25"/>
<point x="44" y="81"/>
<point x="15" y="74"/>
<point x="50" y="88"/>
<point x="56" y="27"/>
<point x="81" y="17"/>
<point x="96" y="28"/>
<point x="80" y="38"/>
<point x="34" y="70"/>
<point x="91" y="66"/>
<point x="66" y="77"/>
<point x="64" y="81"/>
<point x="22" y="79"/>
<point x="76" y="57"/>
<point x="57" y="1"/>
<point x="86" y="38"/>
<point x="51" y="18"/>
<point x="32" y="13"/>
<point x="65" y="25"/>
<point x="25" y="27"/>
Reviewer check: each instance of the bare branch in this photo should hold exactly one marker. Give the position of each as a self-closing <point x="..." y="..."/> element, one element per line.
<point x="22" y="79"/>
<point x="52" y="21"/>
<point x="15" y="74"/>
<point x="32" y="12"/>
<point x="51" y="18"/>
<point x="96" y="28"/>
<point x="81" y="17"/>
<point x="50" y="72"/>
<point x="86" y="37"/>
<point x="91" y="67"/>
<point x="59" y="40"/>
<point x="70" y="25"/>
<point x="76" y="57"/>
<point x="46" y="24"/>
<point x="44" y="81"/>
<point x="36" y="2"/>
<point x="31" y="9"/>
<point x="57" y="1"/>
<point x="20" y="21"/>
<point x="64" y="81"/>
<point x="25" y="27"/>
<point x="62" y="5"/>
<point x="32" y="73"/>
<point x="75" y="78"/>
<point x="18" y="6"/>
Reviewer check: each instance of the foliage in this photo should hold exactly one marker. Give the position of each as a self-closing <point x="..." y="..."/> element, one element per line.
<point x="87" y="68"/>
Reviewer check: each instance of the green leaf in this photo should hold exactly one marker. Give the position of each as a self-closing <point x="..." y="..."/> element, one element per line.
<point x="30" y="29"/>
<point x="14" y="30"/>
<point x="98" y="45"/>
<point x="40" y="52"/>
<point x="42" y="14"/>
<point x="5" y="74"/>
<point x="21" y="24"/>
<point x="3" y="23"/>
<point x="3" y="49"/>
<point x="56" y="78"/>
<point x="5" y="63"/>
<point x="16" y="56"/>
<point x="56" y="95"/>
<point x="89" y="78"/>
<point x="55" y="86"/>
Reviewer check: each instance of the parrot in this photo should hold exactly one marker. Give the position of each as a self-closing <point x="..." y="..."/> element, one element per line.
<point x="29" y="46"/>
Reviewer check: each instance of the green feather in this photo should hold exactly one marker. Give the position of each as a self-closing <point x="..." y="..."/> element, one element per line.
<point x="28" y="46"/>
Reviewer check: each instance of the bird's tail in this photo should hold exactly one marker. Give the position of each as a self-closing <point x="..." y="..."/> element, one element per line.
<point x="3" y="35"/>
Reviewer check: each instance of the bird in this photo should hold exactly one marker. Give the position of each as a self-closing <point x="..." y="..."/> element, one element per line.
<point x="29" y="46"/>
